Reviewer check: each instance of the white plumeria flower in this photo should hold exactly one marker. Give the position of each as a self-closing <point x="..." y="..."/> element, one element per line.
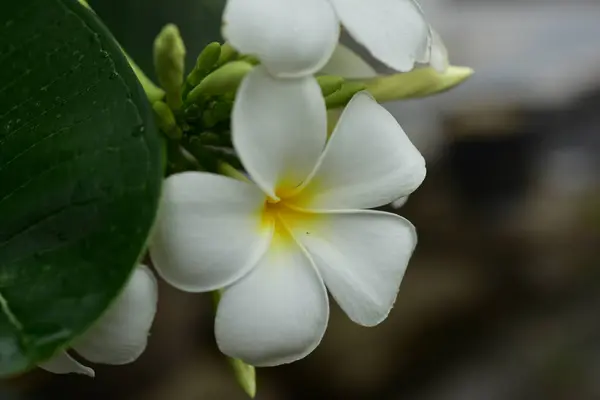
<point x="296" y="37"/>
<point x="120" y="335"/>
<point x="275" y="244"/>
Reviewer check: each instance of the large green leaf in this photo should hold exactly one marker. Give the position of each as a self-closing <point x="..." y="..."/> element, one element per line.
<point x="79" y="176"/>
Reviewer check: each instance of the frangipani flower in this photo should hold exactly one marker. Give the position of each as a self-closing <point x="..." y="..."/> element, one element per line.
<point x="276" y="243"/>
<point x="120" y="335"/>
<point x="296" y="37"/>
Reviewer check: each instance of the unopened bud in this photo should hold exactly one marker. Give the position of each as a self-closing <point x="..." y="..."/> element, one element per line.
<point x="166" y="120"/>
<point x="169" y="61"/>
<point x="344" y="94"/>
<point x="419" y="82"/>
<point x="245" y="375"/>
<point x="228" y="53"/>
<point x="330" y="84"/>
<point x="221" y="81"/>
<point x="207" y="59"/>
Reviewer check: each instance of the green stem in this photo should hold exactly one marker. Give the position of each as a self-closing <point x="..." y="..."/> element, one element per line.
<point x="226" y="169"/>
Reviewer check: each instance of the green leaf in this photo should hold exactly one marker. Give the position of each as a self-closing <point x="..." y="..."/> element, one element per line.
<point x="80" y="175"/>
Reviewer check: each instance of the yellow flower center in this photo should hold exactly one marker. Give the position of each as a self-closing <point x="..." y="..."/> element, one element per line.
<point x="286" y="218"/>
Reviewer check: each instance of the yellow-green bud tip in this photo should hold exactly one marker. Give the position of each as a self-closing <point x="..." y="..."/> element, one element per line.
<point x="245" y="375"/>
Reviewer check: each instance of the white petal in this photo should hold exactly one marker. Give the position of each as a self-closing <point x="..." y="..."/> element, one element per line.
<point x="291" y="37"/>
<point x="396" y="204"/>
<point x="62" y="363"/>
<point x="439" y="54"/>
<point x="424" y="52"/>
<point x="369" y="161"/>
<point x="362" y="256"/>
<point x="120" y="335"/>
<point x="279" y="128"/>
<point x="346" y="63"/>
<point x="394" y="31"/>
<point x="278" y="313"/>
<point x="209" y="232"/>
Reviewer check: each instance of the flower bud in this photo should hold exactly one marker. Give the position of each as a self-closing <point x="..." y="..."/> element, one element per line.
<point x="221" y="81"/>
<point x="343" y="96"/>
<point x="169" y="61"/>
<point x="330" y="84"/>
<point x="228" y="53"/>
<point x="420" y="82"/>
<point x="207" y="59"/>
<point x="166" y="120"/>
<point x="245" y="375"/>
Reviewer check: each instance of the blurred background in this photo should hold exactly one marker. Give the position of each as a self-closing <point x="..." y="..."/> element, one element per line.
<point x="501" y="300"/>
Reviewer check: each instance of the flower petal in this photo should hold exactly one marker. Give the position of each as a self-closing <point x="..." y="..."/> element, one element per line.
<point x="291" y="38"/>
<point x="346" y="63"/>
<point x="369" y="161"/>
<point x="439" y="54"/>
<point x="362" y="256"/>
<point x="209" y="232"/>
<point x="63" y="363"/>
<point x="279" y="128"/>
<point x="278" y="313"/>
<point x="398" y="203"/>
<point x="394" y="31"/>
<point x="120" y="335"/>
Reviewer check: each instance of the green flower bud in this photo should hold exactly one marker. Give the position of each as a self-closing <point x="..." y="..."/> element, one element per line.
<point x="343" y="95"/>
<point x="245" y="375"/>
<point x="169" y="61"/>
<point x="420" y="82"/>
<point x="250" y="59"/>
<point x="209" y="138"/>
<point x="221" y="81"/>
<point x="228" y="53"/>
<point x="166" y="120"/>
<point x="207" y="59"/>
<point x="330" y="84"/>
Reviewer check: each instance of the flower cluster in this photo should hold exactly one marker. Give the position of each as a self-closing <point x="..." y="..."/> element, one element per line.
<point x="274" y="244"/>
<point x="297" y="223"/>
